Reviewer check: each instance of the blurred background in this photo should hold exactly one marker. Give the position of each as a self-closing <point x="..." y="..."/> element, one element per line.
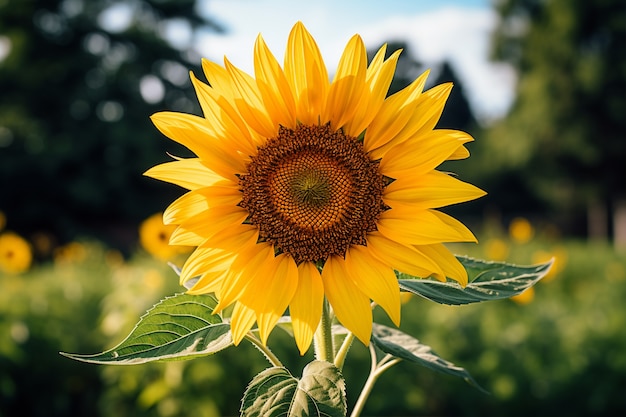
<point x="540" y="84"/>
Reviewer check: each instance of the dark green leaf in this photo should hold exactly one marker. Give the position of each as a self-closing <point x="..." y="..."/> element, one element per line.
<point x="404" y="346"/>
<point x="179" y="327"/>
<point x="275" y="392"/>
<point x="487" y="281"/>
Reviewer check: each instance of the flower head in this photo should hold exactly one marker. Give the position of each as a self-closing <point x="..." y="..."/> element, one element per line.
<point x="525" y="297"/>
<point x="154" y="237"/>
<point x="15" y="253"/>
<point x="521" y="230"/>
<point x="304" y="188"/>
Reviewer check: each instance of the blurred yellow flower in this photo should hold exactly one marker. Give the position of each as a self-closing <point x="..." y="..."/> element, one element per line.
<point x="525" y="297"/>
<point x="15" y="253"/>
<point x="305" y="188"/>
<point x="520" y="230"/>
<point x="559" y="255"/>
<point x="154" y="237"/>
<point x="73" y="252"/>
<point x="496" y="249"/>
<point x="152" y="279"/>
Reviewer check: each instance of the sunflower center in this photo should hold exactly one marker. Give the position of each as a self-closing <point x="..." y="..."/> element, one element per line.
<point x="313" y="192"/>
<point x="311" y="188"/>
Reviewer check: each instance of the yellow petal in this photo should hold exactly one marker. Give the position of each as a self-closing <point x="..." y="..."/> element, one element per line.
<point x="235" y="240"/>
<point x="255" y="260"/>
<point x="209" y="283"/>
<point x="375" y="279"/>
<point x="209" y="263"/>
<point x="306" y="305"/>
<point x="222" y="194"/>
<point x="225" y="95"/>
<point x="423" y="153"/>
<point x="433" y="189"/>
<point x="185" y="206"/>
<point x="219" y="79"/>
<point x="198" y="201"/>
<point x="224" y="117"/>
<point x="184" y="237"/>
<point x="460" y="153"/>
<point x="402" y="258"/>
<point x="431" y="106"/>
<point x="187" y="173"/>
<point x="346" y="90"/>
<point x="394" y="114"/>
<point x="350" y="304"/>
<point x="273" y="86"/>
<point x="422" y="227"/>
<point x="195" y="133"/>
<point x="426" y="113"/>
<point x="269" y="294"/>
<point x="241" y="322"/>
<point x="378" y="78"/>
<point x="214" y="219"/>
<point x="306" y="74"/>
<point x="249" y="102"/>
<point x="450" y="265"/>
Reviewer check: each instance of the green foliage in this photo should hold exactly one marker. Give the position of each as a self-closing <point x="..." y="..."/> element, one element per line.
<point x="403" y="346"/>
<point x="559" y="355"/>
<point x="184" y="327"/>
<point x="77" y="92"/>
<point x="179" y="327"/>
<point x="487" y="281"/>
<point x="564" y="137"/>
<point x="275" y="392"/>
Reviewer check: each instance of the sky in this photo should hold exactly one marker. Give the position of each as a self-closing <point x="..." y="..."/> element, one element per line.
<point x="435" y="30"/>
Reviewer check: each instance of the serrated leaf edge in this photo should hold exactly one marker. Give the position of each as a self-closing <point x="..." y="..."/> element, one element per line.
<point x="114" y="356"/>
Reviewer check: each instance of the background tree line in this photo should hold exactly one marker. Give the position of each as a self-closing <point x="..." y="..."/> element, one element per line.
<point x="78" y="84"/>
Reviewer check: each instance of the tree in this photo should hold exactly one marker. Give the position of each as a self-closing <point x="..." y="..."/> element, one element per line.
<point x="458" y="113"/>
<point x="78" y="83"/>
<point x="564" y="137"/>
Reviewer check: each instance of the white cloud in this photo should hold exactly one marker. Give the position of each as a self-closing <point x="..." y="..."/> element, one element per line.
<point x="460" y="36"/>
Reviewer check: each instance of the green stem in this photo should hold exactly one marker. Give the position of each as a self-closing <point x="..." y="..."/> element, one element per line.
<point x="269" y="355"/>
<point x="323" y="338"/>
<point x="340" y="358"/>
<point x="376" y="371"/>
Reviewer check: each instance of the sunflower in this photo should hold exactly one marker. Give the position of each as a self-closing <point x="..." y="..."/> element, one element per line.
<point x="15" y="253"/>
<point x="304" y="188"/>
<point x="154" y="237"/>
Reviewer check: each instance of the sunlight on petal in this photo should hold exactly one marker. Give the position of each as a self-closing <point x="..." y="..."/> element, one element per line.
<point x="350" y="305"/>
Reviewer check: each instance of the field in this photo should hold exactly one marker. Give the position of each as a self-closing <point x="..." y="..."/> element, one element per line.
<point x="556" y="352"/>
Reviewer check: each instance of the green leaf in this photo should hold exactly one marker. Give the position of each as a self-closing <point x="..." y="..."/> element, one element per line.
<point x="404" y="346"/>
<point x="486" y="281"/>
<point x="179" y="327"/>
<point x="275" y="392"/>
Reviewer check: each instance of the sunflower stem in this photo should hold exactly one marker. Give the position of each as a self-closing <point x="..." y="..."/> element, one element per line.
<point x="269" y="355"/>
<point x="340" y="358"/>
<point x="376" y="370"/>
<point x="323" y="339"/>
